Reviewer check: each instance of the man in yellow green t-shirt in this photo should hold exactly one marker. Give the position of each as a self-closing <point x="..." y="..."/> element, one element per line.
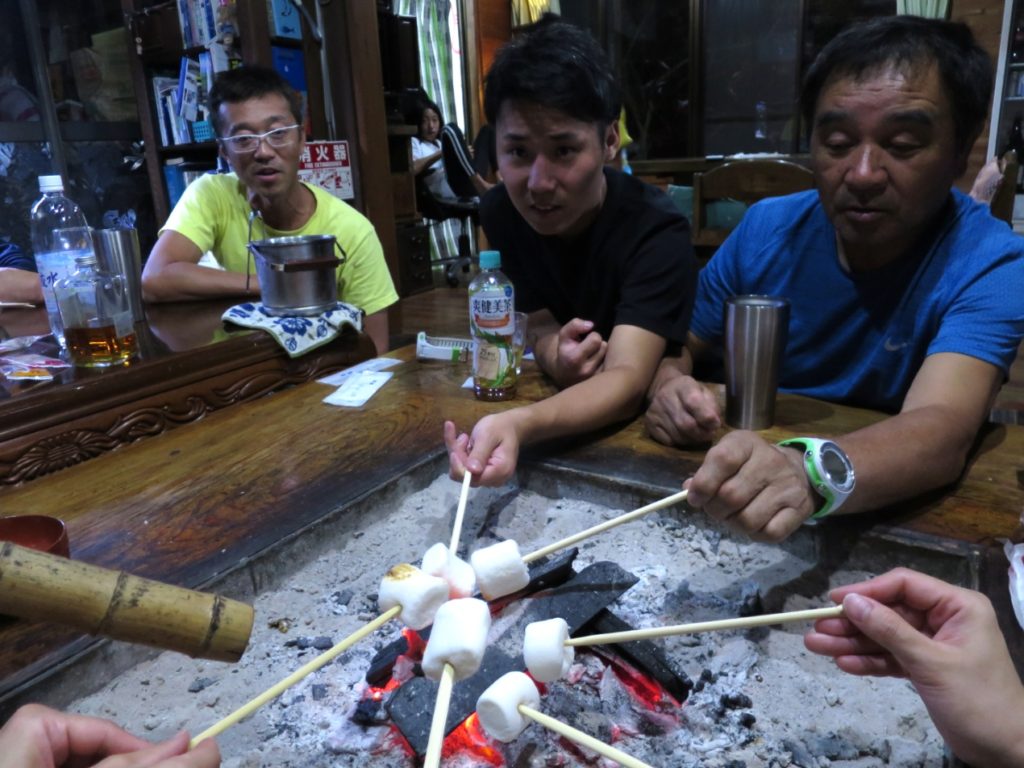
<point x="257" y="117"/>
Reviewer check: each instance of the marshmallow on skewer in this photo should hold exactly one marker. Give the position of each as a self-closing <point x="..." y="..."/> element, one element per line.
<point x="499" y="569"/>
<point x="417" y="593"/>
<point x="438" y="561"/>
<point x="498" y="706"/>
<point x="547" y="656"/>
<point x="458" y="637"/>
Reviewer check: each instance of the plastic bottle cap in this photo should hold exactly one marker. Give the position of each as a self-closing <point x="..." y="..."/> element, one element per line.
<point x="490" y="259"/>
<point x="51" y="184"/>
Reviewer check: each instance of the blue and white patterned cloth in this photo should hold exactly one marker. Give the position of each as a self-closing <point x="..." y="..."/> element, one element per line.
<point x="297" y="334"/>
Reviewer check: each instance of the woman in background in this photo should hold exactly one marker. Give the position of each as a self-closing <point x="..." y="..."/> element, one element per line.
<point x="427" y="161"/>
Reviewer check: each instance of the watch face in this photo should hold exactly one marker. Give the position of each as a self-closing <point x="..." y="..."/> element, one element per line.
<point x="836" y="465"/>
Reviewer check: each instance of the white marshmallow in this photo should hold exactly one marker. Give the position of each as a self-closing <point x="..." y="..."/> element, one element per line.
<point x="458" y="637"/>
<point x="498" y="706"/>
<point x="418" y="593"/>
<point x="438" y="561"/>
<point x="547" y="656"/>
<point x="500" y="569"/>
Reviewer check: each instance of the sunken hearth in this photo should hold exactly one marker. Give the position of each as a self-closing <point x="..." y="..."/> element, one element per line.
<point x="758" y="699"/>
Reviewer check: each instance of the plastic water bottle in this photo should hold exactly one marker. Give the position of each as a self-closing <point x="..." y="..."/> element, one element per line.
<point x="492" y="323"/>
<point x="60" y="234"/>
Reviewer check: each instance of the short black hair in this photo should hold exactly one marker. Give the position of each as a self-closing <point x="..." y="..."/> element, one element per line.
<point x="251" y="82"/>
<point x="415" y="115"/>
<point x="910" y="42"/>
<point x="557" y="65"/>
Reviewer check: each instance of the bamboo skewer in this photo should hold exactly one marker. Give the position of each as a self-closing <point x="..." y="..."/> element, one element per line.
<point x="605" y="750"/>
<point x="708" y="626"/>
<point x="432" y="758"/>
<point x="460" y="512"/>
<point x="568" y="541"/>
<point x="274" y="691"/>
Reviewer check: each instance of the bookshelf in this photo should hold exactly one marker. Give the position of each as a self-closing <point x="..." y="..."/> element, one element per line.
<point x="156" y="64"/>
<point x="350" y="53"/>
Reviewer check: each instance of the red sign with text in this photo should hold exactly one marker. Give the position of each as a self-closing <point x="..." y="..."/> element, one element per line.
<point x="326" y="164"/>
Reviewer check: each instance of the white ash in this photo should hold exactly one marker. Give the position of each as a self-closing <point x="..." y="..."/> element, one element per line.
<point x="761" y="699"/>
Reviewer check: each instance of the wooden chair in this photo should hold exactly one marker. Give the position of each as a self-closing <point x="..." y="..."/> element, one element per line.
<point x="746" y="181"/>
<point x="1001" y="203"/>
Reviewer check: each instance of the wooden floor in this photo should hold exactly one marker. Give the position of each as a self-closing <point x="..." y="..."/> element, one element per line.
<point x="443" y="312"/>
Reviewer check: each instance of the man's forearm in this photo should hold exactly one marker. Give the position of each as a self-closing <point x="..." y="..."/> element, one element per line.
<point x="903" y="456"/>
<point x="184" y="281"/>
<point x="20" y="285"/>
<point x="609" y="396"/>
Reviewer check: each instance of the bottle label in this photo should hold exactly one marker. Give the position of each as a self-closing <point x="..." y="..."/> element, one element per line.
<point x="56" y="265"/>
<point x="493" y="366"/>
<point x="493" y="311"/>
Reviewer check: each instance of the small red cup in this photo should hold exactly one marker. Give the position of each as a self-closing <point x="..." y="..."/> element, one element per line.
<point x="46" y="534"/>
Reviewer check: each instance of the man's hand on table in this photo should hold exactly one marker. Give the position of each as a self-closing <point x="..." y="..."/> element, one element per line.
<point x="682" y="411"/>
<point x="572" y="355"/>
<point x="753" y="486"/>
<point x="490" y="453"/>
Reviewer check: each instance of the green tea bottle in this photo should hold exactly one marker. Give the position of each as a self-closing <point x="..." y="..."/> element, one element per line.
<point x="492" y="323"/>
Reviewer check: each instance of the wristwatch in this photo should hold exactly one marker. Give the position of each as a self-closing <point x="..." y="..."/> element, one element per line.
<point x="829" y="470"/>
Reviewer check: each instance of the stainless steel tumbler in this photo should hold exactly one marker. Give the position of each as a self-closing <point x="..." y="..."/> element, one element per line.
<point x="756" y="328"/>
<point x="117" y="251"/>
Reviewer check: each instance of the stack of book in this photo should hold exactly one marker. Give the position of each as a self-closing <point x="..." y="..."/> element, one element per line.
<point x="181" y="102"/>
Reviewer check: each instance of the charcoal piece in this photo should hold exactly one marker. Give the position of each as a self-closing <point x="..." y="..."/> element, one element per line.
<point x="577" y="600"/>
<point x="201" y="683"/>
<point x="735" y="701"/>
<point x="369" y="711"/>
<point x="642" y="654"/>
<point x="544" y="573"/>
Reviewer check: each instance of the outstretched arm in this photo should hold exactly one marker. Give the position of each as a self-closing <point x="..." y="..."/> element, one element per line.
<point x="40" y="737"/>
<point x="762" y="490"/>
<point x="612" y="394"/>
<point x="946" y="641"/>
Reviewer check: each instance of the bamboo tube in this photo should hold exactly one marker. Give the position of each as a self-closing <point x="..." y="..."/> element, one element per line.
<point x="745" y="622"/>
<point x="568" y="541"/>
<point x="41" y="587"/>
<point x="605" y="750"/>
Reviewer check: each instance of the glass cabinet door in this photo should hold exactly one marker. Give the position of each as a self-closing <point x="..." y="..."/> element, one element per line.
<point x="68" y="60"/>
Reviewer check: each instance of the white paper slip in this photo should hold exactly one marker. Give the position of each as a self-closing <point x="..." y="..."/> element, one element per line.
<point x="358" y="389"/>
<point x="376" y="364"/>
<point x="468" y="383"/>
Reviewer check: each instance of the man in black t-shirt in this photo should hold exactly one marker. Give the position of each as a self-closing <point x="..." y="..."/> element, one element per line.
<point x="601" y="262"/>
<point x="18" y="278"/>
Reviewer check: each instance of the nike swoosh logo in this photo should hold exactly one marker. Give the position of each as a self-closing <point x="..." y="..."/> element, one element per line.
<point x="892" y="346"/>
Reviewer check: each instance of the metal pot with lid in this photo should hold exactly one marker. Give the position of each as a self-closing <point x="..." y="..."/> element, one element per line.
<point x="297" y="273"/>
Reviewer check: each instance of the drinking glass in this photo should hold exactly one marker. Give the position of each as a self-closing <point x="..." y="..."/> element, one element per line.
<point x="519" y="340"/>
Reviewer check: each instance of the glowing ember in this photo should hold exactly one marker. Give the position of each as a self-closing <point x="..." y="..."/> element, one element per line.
<point x="470" y="738"/>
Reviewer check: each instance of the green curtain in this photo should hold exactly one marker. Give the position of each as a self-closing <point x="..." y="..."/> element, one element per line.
<point x="437" y="78"/>
<point x="931" y="9"/>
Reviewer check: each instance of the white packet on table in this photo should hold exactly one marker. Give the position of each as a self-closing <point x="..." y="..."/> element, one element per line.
<point x="1015" y="554"/>
<point x="358" y="389"/>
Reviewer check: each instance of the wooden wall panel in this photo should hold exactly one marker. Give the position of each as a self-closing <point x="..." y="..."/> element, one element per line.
<point x="985" y="18"/>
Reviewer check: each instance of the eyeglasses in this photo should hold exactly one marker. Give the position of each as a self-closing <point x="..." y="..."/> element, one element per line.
<point x="248" y="142"/>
